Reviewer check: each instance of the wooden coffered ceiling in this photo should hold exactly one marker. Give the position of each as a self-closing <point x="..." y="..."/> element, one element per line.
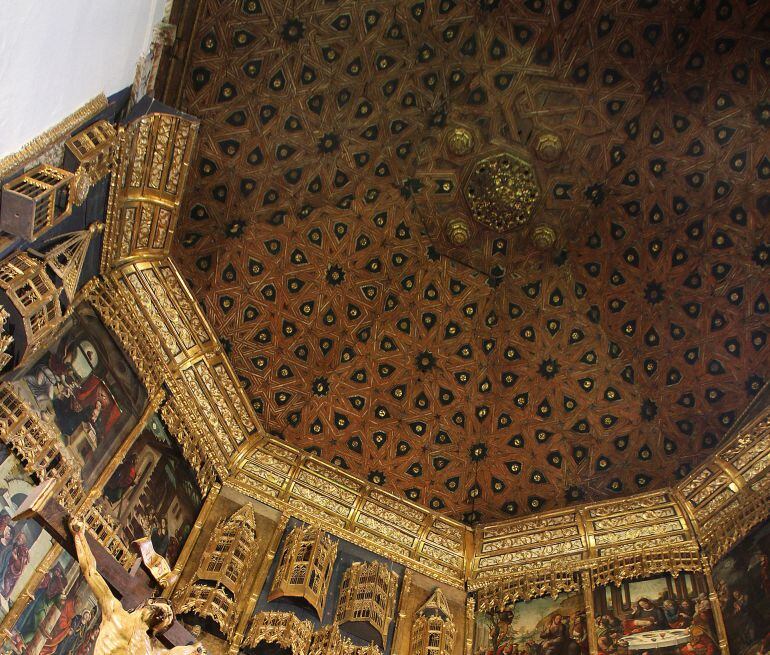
<point x="493" y="378"/>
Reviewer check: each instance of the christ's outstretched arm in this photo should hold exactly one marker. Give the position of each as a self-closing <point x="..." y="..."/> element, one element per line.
<point x="107" y="602"/>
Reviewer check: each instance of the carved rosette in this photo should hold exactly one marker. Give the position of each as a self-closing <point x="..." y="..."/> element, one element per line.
<point x="458" y="231"/>
<point x="459" y="141"/>
<point x="543" y="237"/>
<point x="502" y="192"/>
<point x="549" y="147"/>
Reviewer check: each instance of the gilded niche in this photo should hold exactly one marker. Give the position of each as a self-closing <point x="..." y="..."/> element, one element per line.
<point x="367" y="597"/>
<point x="223" y="571"/>
<point x="305" y="568"/>
<point x="433" y="630"/>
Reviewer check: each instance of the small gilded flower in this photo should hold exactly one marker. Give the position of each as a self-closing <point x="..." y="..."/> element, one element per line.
<point x="478" y="452"/>
<point x="654" y="293"/>
<point x="293" y="30"/>
<point x="656" y="85"/>
<point x="549" y="368"/>
<point x="471" y="518"/>
<point x="411" y="187"/>
<point x="376" y="477"/>
<point x="574" y="493"/>
<point x="335" y="275"/>
<point x="761" y="255"/>
<point x="329" y="142"/>
<point x="754" y="384"/>
<point x="763" y="114"/>
<point x="320" y="386"/>
<point x="595" y="193"/>
<point x="235" y="229"/>
<point x="425" y="361"/>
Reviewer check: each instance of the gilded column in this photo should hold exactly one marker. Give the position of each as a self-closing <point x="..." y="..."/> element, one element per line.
<point x="246" y="607"/>
<point x="716" y="608"/>
<point x="192" y="538"/>
<point x="470" y="622"/>
<point x="401" y="632"/>
<point x="588" y="598"/>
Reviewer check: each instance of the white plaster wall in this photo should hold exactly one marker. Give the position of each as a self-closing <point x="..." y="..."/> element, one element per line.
<point x="55" y="55"/>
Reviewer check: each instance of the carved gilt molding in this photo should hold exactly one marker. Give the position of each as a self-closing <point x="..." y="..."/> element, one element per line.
<point x="152" y="161"/>
<point x="55" y="135"/>
<point x="320" y="494"/>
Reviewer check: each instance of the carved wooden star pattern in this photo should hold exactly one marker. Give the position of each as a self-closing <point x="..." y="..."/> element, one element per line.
<point x="487" y="379"/>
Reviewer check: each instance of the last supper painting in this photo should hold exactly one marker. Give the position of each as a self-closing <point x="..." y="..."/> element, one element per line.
<point x="663" y="612"/>
<point x="83" y="387"/>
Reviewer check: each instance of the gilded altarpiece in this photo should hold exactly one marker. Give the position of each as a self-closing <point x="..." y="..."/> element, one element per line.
<point x="556" y="583"/>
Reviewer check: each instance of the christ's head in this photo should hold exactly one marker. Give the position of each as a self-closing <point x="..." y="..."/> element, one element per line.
<point x="157" y="614"/>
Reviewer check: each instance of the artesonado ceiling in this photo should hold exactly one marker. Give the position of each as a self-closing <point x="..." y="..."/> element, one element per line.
<point x="507" y="374"/>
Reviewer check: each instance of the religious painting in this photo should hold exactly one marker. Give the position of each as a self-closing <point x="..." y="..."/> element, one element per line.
<point x="742" y="579"/>
<point x="61" y="619"/>
<point x="543" y="626"/>
<point x="663" y="613"/>
<point x="84" y="387"/>
<point x="153" y="492"/>
<point x="23" y="544"/>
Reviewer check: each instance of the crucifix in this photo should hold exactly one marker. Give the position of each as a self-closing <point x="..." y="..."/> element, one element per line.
<point x="132" y="591"/>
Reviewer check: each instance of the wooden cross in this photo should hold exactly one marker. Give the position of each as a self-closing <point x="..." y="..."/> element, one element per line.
<point x="132" y="588"/>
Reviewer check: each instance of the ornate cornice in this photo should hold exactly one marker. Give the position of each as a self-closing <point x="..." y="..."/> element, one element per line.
<point x="316" y="492"/>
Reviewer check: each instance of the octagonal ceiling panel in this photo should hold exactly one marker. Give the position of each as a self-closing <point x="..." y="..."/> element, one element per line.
<point x="494" y="378"/>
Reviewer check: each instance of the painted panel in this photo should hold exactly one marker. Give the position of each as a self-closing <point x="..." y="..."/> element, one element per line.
<point x="153" y="492"/>
<point x="23" y="544"/>
<point x="85" y="389"/>
<point x="742" y="579"/>
<point x="61" y="619"/>
<point x="656" y="612"/>
<point x="543" y="626"/>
